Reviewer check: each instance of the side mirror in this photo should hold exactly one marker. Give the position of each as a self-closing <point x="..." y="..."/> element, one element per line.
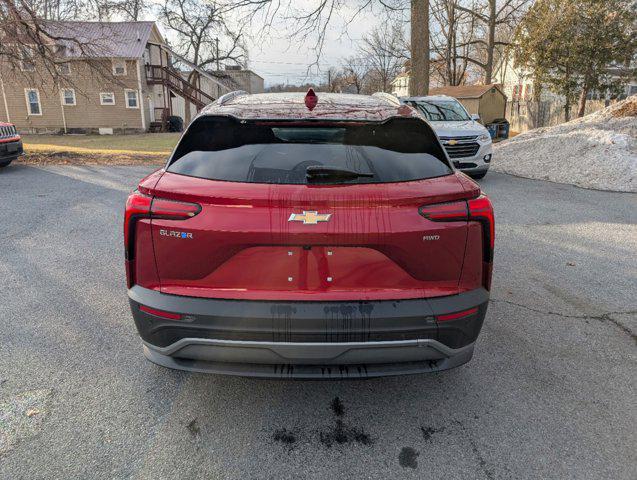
<point x="475" y="117"/>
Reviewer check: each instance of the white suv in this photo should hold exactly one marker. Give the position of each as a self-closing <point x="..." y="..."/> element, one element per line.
<point x="466" y="141"/>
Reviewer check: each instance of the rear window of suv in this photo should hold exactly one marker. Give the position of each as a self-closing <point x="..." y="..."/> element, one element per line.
<point x="223" y="148"/>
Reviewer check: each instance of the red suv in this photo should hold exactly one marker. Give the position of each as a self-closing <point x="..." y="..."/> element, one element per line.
<point x="308" y="236"/>
<point x="10" y="144"/>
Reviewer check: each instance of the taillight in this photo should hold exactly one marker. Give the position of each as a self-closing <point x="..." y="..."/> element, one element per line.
<point x="481" y="210"/>
<point x="139" y="205"/>
<point x="477" y="209"/>
<point x="172" y="210"/>
<point x="445" y="212"/>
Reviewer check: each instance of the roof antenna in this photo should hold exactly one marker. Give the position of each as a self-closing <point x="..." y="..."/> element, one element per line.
<point x="310" y="99"/>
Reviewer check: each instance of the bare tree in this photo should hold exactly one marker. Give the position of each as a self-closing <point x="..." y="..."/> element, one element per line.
<point x="27" y="40"/>
<point x="334" y="80"/>
<point x="492" y="16"/>
<point x="203" y="35"/>
<point x="354" y="72"/>
<point x="132" y="10"/>
<point x="384" y="51"/>
<point x="451" y="42"/>
<point x="312" y="22"/>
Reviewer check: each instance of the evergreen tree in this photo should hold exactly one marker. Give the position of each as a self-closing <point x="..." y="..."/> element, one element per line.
<point x="569" y="45"/>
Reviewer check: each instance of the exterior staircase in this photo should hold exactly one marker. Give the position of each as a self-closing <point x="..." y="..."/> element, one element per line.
<point x="171" y="78"/>
<point x="160" y="125"/>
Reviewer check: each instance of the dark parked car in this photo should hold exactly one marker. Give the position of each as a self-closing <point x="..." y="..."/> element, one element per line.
<point x="308" y="237"/>
<point x="10" y="144"/>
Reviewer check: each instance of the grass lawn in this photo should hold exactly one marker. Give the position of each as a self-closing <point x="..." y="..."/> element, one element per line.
<point x="143" y="142"/>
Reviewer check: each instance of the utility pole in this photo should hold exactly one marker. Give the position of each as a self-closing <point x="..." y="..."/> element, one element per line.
<point x="217" y="48"/>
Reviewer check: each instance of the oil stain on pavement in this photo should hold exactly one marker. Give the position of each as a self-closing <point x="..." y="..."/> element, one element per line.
<point x="408" y="458"/>
<point x="285" y="436"/>
<point x="427" y="432"/>
<point x="340" y="433"/>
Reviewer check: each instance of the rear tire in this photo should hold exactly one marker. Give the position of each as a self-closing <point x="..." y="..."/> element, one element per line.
<point x="477" y="176"/>
<point x="5" y="163"/>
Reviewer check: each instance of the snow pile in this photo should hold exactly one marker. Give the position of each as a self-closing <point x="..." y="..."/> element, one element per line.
<point x="596" y="151"/>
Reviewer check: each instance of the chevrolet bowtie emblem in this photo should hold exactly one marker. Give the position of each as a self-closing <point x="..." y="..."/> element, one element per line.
<point x="452" y="142"/>
<point x="309" y="218"/>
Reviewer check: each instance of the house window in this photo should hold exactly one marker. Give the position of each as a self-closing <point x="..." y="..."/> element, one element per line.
<point x="26" y="64"/>
<point x="107" y="98"/>
<point x="64" y="68"/>
<point x="33" y="101"/>
<point x="132" y="100"/>
<point x="68" y="97"/>
<point x="119" y="67"/>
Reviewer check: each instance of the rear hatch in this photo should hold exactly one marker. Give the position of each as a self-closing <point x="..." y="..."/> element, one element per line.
<point x="321" y="211"/>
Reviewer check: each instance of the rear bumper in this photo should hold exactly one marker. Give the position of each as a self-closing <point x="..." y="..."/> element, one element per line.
<point x="308" y="339"/>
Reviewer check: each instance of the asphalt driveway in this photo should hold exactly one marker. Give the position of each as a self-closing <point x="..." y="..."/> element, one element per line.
<point x="550" y="393"/>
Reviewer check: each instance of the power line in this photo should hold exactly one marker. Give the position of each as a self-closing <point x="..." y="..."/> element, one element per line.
<point x="306" y="64"/>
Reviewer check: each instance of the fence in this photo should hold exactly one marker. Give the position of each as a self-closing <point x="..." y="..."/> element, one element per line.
<point x="526" y="115"/>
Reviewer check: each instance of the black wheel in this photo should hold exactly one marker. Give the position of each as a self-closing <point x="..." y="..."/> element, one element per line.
<point x="4" y="163"/>
<point x="477" y="176"/>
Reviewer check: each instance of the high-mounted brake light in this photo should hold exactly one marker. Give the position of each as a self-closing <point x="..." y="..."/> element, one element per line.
<point x="311" y="99"/>
<point x="139" y="205"/>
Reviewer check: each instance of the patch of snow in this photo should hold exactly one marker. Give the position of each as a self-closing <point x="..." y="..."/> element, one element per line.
<point x="596" y="151"/>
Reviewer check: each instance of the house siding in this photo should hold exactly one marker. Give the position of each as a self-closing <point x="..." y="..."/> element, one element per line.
<point x="247" y="80"/>
<point x="3" y="107"/>
<point x="88" y="114"/>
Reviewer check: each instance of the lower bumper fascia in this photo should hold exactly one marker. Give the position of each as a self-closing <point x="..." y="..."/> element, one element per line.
<point x="309" y="361"/>
<point x="309" y="339"/>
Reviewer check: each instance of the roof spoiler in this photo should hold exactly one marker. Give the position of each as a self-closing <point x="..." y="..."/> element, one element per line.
<point x="388" y="97"/>
<point x="230" y="96"/>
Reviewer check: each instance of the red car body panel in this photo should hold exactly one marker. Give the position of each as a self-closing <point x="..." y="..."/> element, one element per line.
<point x="393" y="279"/>
<point x="374" y="247"/>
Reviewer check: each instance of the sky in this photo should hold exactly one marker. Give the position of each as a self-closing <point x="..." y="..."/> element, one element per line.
<point x="280" y="60"/>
